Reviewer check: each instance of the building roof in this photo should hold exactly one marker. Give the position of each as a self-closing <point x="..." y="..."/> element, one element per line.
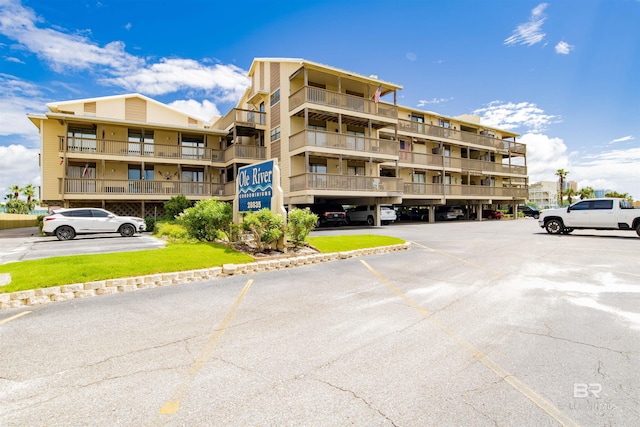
<point x="371" y="79"/>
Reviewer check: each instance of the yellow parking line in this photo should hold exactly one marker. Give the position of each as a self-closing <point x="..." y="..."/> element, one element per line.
<point x="172" y="405"/>
<point x="9" y="319"/>
<point x="462" y="260"/>
<point x="518" y="385"/>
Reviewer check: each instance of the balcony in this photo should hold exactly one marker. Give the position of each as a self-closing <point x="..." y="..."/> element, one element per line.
<point x="492" y="168"/>
<point x="422" y="189"/>
<point x="89" y="148"/>
<point x="323" y="97"/>
<point x="345" y="144"/>
<point x="245" y="152"/>
<point x="461" y="136"/>
<point x="317" y="181"/>
<point x="122" y="187"/>
<point x="241" y="118"/>
<point x="420" y="159"/>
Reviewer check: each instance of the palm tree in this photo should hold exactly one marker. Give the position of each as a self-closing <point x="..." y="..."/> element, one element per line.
<point x="617" y="195"/>
<point x="587" y="193"/>
<point x="562" y="174"/>
<point x="570" y="192"/>
<point x="16" y="191"/>
<point x="29" y="191"/>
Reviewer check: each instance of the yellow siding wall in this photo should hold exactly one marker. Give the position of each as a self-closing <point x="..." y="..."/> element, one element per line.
<point x="51" y="168"/>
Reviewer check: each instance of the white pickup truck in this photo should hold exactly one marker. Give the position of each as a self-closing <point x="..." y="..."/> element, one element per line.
<point x="595" y="214"/>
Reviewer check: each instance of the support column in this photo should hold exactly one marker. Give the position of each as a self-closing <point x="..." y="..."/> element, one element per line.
<point x="432" y="214"/>
<point x="479" y="211"/>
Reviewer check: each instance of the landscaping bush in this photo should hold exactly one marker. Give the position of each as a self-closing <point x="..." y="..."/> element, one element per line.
<point x="175" y="206"/>
<point x="265" y="226"/>
<point x="172" y="231"/>
<point x="150" y="224"/>
<point x="208" y="220"/>
<point x="300" y="223"/>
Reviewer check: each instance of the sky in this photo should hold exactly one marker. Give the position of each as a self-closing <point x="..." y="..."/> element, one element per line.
<point x="564" y="74"/>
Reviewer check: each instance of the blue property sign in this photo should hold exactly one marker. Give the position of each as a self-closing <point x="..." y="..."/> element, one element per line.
<point x="255" y="186"/>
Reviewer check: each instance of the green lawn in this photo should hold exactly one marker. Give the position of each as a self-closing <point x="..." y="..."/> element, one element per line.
<point x="65" y="270"/>
<point x="347" y="243"/>
<point x="174" y="257"/>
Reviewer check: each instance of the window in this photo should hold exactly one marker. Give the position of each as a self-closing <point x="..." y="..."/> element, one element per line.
<point x="81" y="138"/>
<point x="275" y="133"/>
<point x="420" y="177"/>
<point x="318" y="168"/>
<point x="418" y="118"/>
<point x="275" y="97"/>
<point x="580" y="206"/>
<point x="356" y="170"/>
<point x="193" y="146"/>
<point x="262" y="111"/>
<point x="140" y="142"/>
<point x="192" y="181"/>
<point x="602" y="204"/>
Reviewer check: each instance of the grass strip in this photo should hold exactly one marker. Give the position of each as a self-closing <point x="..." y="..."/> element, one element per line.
<point x="65" y="270"/>
<point x="327" y="244"/>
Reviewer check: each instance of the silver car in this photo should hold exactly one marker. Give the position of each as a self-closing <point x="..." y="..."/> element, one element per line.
<point x="65" y="224"/>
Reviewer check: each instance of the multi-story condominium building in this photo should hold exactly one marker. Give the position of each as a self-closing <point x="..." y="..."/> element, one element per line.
<point x="337" y="136"/>
<point x="544" y="194"/>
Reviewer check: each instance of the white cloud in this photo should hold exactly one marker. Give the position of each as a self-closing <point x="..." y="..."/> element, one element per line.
<point x="16" y="100"/>
<point x="511" y="116"/>
<point x="206" y="110"/>
<point x="171" y="75"/>
<point x="616" y="170"/>
<point x="411" y="56"/>
<point x="623" y="139"/>
<point x="128" y="26"/>
<point x="64" y="51"/>
<point x="13" y="59"/>
<point x="545" y="155"/>
<point x="563" y="48"/>
<point x="18" y="166"/>
<point x="424" y="102"/>
<point x="530" y="32"/>
<point x="61" y="50"/>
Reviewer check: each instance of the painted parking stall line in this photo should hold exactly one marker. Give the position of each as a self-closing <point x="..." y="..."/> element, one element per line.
<point x="172" y="405"/>
<point x="490" y="364"/>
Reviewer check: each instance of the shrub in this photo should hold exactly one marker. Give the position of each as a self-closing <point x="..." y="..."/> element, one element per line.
<point x="207" y="220"/>
<point x="265" y="226"/>
<point x="171" y="231"/>
<point x="150" y="224"/>
<point x="17" y="207"/>
<point x="300" y="223"/>
<point x="175" y="206"/>
<point x="40" y="220"/>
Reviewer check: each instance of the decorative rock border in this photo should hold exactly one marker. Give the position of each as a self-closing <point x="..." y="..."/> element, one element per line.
<point x="113" y="286"/>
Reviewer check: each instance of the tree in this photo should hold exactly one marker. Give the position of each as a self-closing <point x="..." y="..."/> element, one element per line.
<point x="570" y="192"/>
<point x="299" y="225"/>
<point x="617" y="195"/>
<point x="29" y="191"/>
<point x="562" y="174"/>
<point x="16" y="191"/>
<point x="265" y="226"/>
<point x="175" y="206"/>
<point x="587" y="193"/>
<point x="207" y="220"/>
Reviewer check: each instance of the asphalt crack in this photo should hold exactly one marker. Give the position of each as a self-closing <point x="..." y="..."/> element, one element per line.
<point x="362" y="399"/>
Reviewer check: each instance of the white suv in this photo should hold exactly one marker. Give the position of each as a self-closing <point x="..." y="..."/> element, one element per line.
<point x="65" y="224"/>
<point x="367" y="214"/>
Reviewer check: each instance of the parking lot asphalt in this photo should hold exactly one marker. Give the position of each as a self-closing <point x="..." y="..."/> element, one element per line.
<point x="21" y="244"/>
<point x="480" y="323"/>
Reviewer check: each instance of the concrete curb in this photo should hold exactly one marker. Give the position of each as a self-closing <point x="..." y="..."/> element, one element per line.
<point x="112" y="286"/>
